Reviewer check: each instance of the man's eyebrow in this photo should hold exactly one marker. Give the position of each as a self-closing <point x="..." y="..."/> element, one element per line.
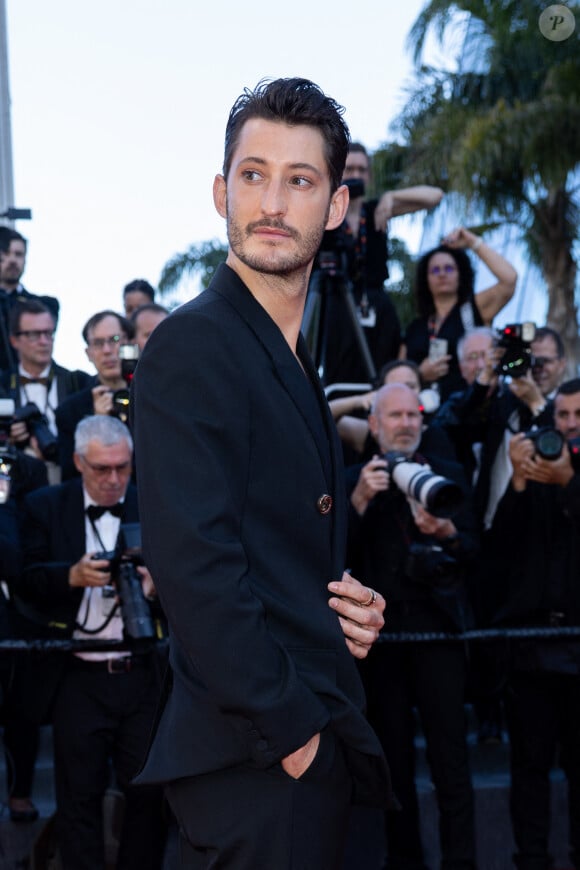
<point x="261" y="161"/>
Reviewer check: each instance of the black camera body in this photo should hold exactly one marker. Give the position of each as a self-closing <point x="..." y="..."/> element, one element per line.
<point x="37" y="425"/>
<point x="431" y="565"/>
<point x="8" y="453"/>
<point x="438" y="495"/>
<point x="549" y="442"/>
<point x="124" y="560"/>
<point x="129" y="356"/>
<point x="517" y="340"/>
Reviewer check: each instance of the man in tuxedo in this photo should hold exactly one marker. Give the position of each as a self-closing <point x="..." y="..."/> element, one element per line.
<point x="39" y="381"/>
<point x="104" y="701"/>
<point x="262" y="740"/>
<point x="104" y="333"/>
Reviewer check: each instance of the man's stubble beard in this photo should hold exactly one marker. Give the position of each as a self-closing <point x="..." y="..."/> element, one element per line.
<point x="275" y="263"/>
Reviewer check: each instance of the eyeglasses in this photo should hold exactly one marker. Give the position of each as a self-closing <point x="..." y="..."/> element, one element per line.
<point x="476" y="355"/>
<point x="447" y="269"/>
<point x="36" y="334"/>
<point x="100" y="343"/>
<point x="105" y="470"/>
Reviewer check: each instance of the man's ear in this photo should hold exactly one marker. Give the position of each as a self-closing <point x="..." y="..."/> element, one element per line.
<point x="338" y="207"/>
<point x="373" y="427"/>
<point x="14" y="342"/>
<point x="220" y="195"/>
<point x="78" y="463"/>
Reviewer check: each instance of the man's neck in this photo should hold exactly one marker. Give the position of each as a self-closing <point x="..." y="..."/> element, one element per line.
<point x="8" y="287"/>
<point x="113" y="383"/>
<point x="34" y="370"/>
<point x="282" y="297"/>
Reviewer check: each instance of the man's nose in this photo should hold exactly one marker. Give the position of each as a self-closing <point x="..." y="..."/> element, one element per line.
<point x="274" y="198"/>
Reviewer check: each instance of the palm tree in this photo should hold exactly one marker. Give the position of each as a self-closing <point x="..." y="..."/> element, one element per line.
<point x="504" y="133"/>
<point x="202" y="259"/>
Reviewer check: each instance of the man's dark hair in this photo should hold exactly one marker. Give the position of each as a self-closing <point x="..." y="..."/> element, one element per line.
<point x="568" y="388"/>
<point x="548" y="332"/>
<point x="395" y="364"/>
<point x="149" y="306"/>
<point x="27" y="306"/>
<point x="139" y="285"/>
<point x="292" y="101"/>
<point x="358" y="148"/>
<point x="93" y="321"/>
<point x="8" y="235"/>
<point x="423" y="297"/>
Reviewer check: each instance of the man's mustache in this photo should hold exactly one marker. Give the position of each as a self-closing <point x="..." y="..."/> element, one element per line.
<point x="273" y="225"/>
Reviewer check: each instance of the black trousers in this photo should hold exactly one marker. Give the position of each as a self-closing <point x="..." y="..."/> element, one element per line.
<point x="242" y="818"/>
<point x="102" y="723"/>
<point x="543" y="713"/>
<point x="432" y="677"/>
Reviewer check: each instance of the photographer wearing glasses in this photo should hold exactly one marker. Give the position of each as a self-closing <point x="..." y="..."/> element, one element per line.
<point x="536" y="535"/>
<point x="104" y="333"/>
<point x="102" y="702"/>
<point x="39" y="384"/>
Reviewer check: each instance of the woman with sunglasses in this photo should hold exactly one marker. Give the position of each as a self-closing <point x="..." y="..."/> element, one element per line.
<point x="447" y="305"/>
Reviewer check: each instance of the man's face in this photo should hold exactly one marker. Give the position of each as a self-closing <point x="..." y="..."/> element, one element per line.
<point x="357" y="166"/>
<point x="277" y="197"/>
<point x="105" y="471"/>
<point x="145" y="324"/>
<point x="34" y="341"/>
<point x="550" y="373"/>
<point x="396" y="421"/>
<point x="133" y="300"/>
<point x="473" y="356"/>
<point x="12" y="263"/>
<point x="104" y="340"/>
<point x="567" y="415"/>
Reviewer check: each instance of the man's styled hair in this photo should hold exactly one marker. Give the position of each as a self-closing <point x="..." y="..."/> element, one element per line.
<point x="93" y="321"/>
<point x="8" y="235"/>
<point x="423" y="297"/>
<point x="568" y="388"/>
<point x="27" y="306"/>
<point x="292" y="101"/>
<point x="140" y="285"/>
<point x="548" y="332"/>
<point x="103" y="428"/>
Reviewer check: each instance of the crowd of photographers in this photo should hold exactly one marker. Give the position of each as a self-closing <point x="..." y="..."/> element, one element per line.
<point x="463" y="480"/>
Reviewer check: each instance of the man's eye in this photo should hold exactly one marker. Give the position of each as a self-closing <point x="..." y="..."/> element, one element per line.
<point x="250" y="174"/>
<point x="301" y="181"/>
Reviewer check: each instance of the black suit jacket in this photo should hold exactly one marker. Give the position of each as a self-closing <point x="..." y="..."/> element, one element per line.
<point x="68" y="382"/>
<point x="235" y="447"/>
<point x="68" y="414"/>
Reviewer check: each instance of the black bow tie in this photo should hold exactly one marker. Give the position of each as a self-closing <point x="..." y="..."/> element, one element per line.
<point x="26" y="380"/>
<point x="94" y="511"/>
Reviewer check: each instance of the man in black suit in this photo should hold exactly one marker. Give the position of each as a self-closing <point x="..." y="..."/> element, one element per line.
<point x="104" y="701"/>
<point x="38" y="381"/>
<point x="13" y="248"/>
<point x="104" y="333"/>
<point x="262" y="738"/>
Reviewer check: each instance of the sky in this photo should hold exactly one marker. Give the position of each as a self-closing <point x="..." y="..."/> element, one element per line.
<point x="118" y="116"/>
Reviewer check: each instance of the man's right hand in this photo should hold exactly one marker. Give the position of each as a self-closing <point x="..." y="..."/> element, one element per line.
<point x="372" y="479"/>
<point x="90" y="572"/>
<point x="102" y="400"/>
<point x="298" y="762"/>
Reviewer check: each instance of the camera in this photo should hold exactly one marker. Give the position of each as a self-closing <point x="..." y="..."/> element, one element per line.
<point x="37" y="425"/>
<point x="124" y="559"/>
<point x="438" y="495"/>
<point x="517" y="340"/>
<point x="129" y="356"/>
<point x="548" y="443"/>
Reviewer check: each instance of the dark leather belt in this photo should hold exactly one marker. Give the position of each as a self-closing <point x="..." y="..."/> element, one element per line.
<point x="122" y="665"/>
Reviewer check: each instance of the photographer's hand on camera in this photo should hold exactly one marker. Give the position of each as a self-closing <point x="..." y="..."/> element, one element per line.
<point x="373" y="479"/>
<point x="147" y="583"/>
<point x="90" y="572"/>
<point x="360" y="620"/>
<point x="527" y="465"/>
<point x="102" y="399"/>
<point x="436" y="527"/>
<point x="22" y="438"/>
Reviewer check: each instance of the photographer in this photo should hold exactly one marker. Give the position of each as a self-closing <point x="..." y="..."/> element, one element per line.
<point x="536" y="535"/>
<point x="39" y="384"/>
<point x="102" y="702"/>
<point x="363" y="239"/>
<point x="104" y="333"/>
<point x="418" y="562"/>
